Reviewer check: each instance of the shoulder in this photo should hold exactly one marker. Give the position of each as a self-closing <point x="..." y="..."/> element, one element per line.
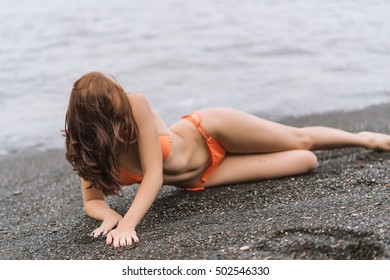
<point x="139" y="104"/>
<point x="136" y="97"/>
<point x="140" y="107"/>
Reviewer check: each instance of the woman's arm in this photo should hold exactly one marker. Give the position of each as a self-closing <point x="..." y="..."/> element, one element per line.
<point x="97" y="208"/>
<point x="151" y="165"/>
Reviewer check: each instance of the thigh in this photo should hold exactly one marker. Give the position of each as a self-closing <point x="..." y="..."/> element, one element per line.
<point x="240" y="132"/>
<point x="255" y="167"/>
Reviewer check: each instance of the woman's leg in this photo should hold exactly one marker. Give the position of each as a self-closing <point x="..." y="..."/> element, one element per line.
<point x="259" y="149"/>
<point x="241" y="133"/>
<point x="245" y="168"/>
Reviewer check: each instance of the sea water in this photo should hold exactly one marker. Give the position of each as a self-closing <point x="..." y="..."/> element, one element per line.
<point x="274" y="58"/>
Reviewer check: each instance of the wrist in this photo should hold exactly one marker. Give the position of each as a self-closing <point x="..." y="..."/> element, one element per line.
<point x="126" y="224"/>
<point x="113" y="214"/>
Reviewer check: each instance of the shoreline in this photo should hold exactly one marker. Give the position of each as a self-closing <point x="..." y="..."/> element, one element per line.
<point x="295" y="120"/>
<point x="338" y="211"/>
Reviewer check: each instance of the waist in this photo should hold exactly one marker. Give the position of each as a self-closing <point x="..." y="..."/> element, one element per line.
<point x="188" y="157"/>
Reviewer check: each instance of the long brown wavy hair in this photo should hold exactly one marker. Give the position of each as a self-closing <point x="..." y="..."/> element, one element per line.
<point x="99" y="127"/>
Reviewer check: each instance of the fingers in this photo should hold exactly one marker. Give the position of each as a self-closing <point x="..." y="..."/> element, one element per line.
<point x="96" y="233"/>
<point x="136" y="239"/>
<point x="127" y="240"/>
<point x="123" y="242"/>
<point x="99" y="232"/>
<point x="117" y="238"/>
<point x="105" y="227"/>
<point x="109" y="239"/>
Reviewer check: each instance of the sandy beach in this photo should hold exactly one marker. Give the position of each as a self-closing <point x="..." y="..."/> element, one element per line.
<point x="341" y="210"/>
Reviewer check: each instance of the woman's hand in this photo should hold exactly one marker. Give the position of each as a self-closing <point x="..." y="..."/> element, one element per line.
<point x="107" y="225"/>
<point x="122" y="237"/>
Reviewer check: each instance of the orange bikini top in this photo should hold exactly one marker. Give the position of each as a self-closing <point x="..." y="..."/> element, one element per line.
<point x="128" y="178"/>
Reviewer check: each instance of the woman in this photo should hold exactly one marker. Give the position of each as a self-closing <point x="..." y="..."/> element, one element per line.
<point x="115" y="139"/>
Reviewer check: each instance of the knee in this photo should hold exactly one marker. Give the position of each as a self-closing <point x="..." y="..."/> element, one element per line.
<point x="309" y="159"/>
<point x="304" y="141"/>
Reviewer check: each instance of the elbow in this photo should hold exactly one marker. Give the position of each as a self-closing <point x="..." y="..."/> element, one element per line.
<point x="154" y="178"/>
<point x="160" y="180"/>
<point x="87" y="208"/>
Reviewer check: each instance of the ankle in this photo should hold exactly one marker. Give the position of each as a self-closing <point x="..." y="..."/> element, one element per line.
<point x="368" y="139"/>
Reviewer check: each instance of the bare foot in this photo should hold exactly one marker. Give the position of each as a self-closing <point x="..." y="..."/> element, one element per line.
<point x="376" y="141"/>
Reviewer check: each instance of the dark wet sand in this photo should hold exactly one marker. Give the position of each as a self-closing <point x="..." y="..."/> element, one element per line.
<point x="341" y="210"/>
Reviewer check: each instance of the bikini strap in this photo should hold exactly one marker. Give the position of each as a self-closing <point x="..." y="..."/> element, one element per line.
<point x="196" y="119"/>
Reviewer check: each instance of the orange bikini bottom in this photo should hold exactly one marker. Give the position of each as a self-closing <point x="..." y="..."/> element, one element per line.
<point x="217" y="152"/>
